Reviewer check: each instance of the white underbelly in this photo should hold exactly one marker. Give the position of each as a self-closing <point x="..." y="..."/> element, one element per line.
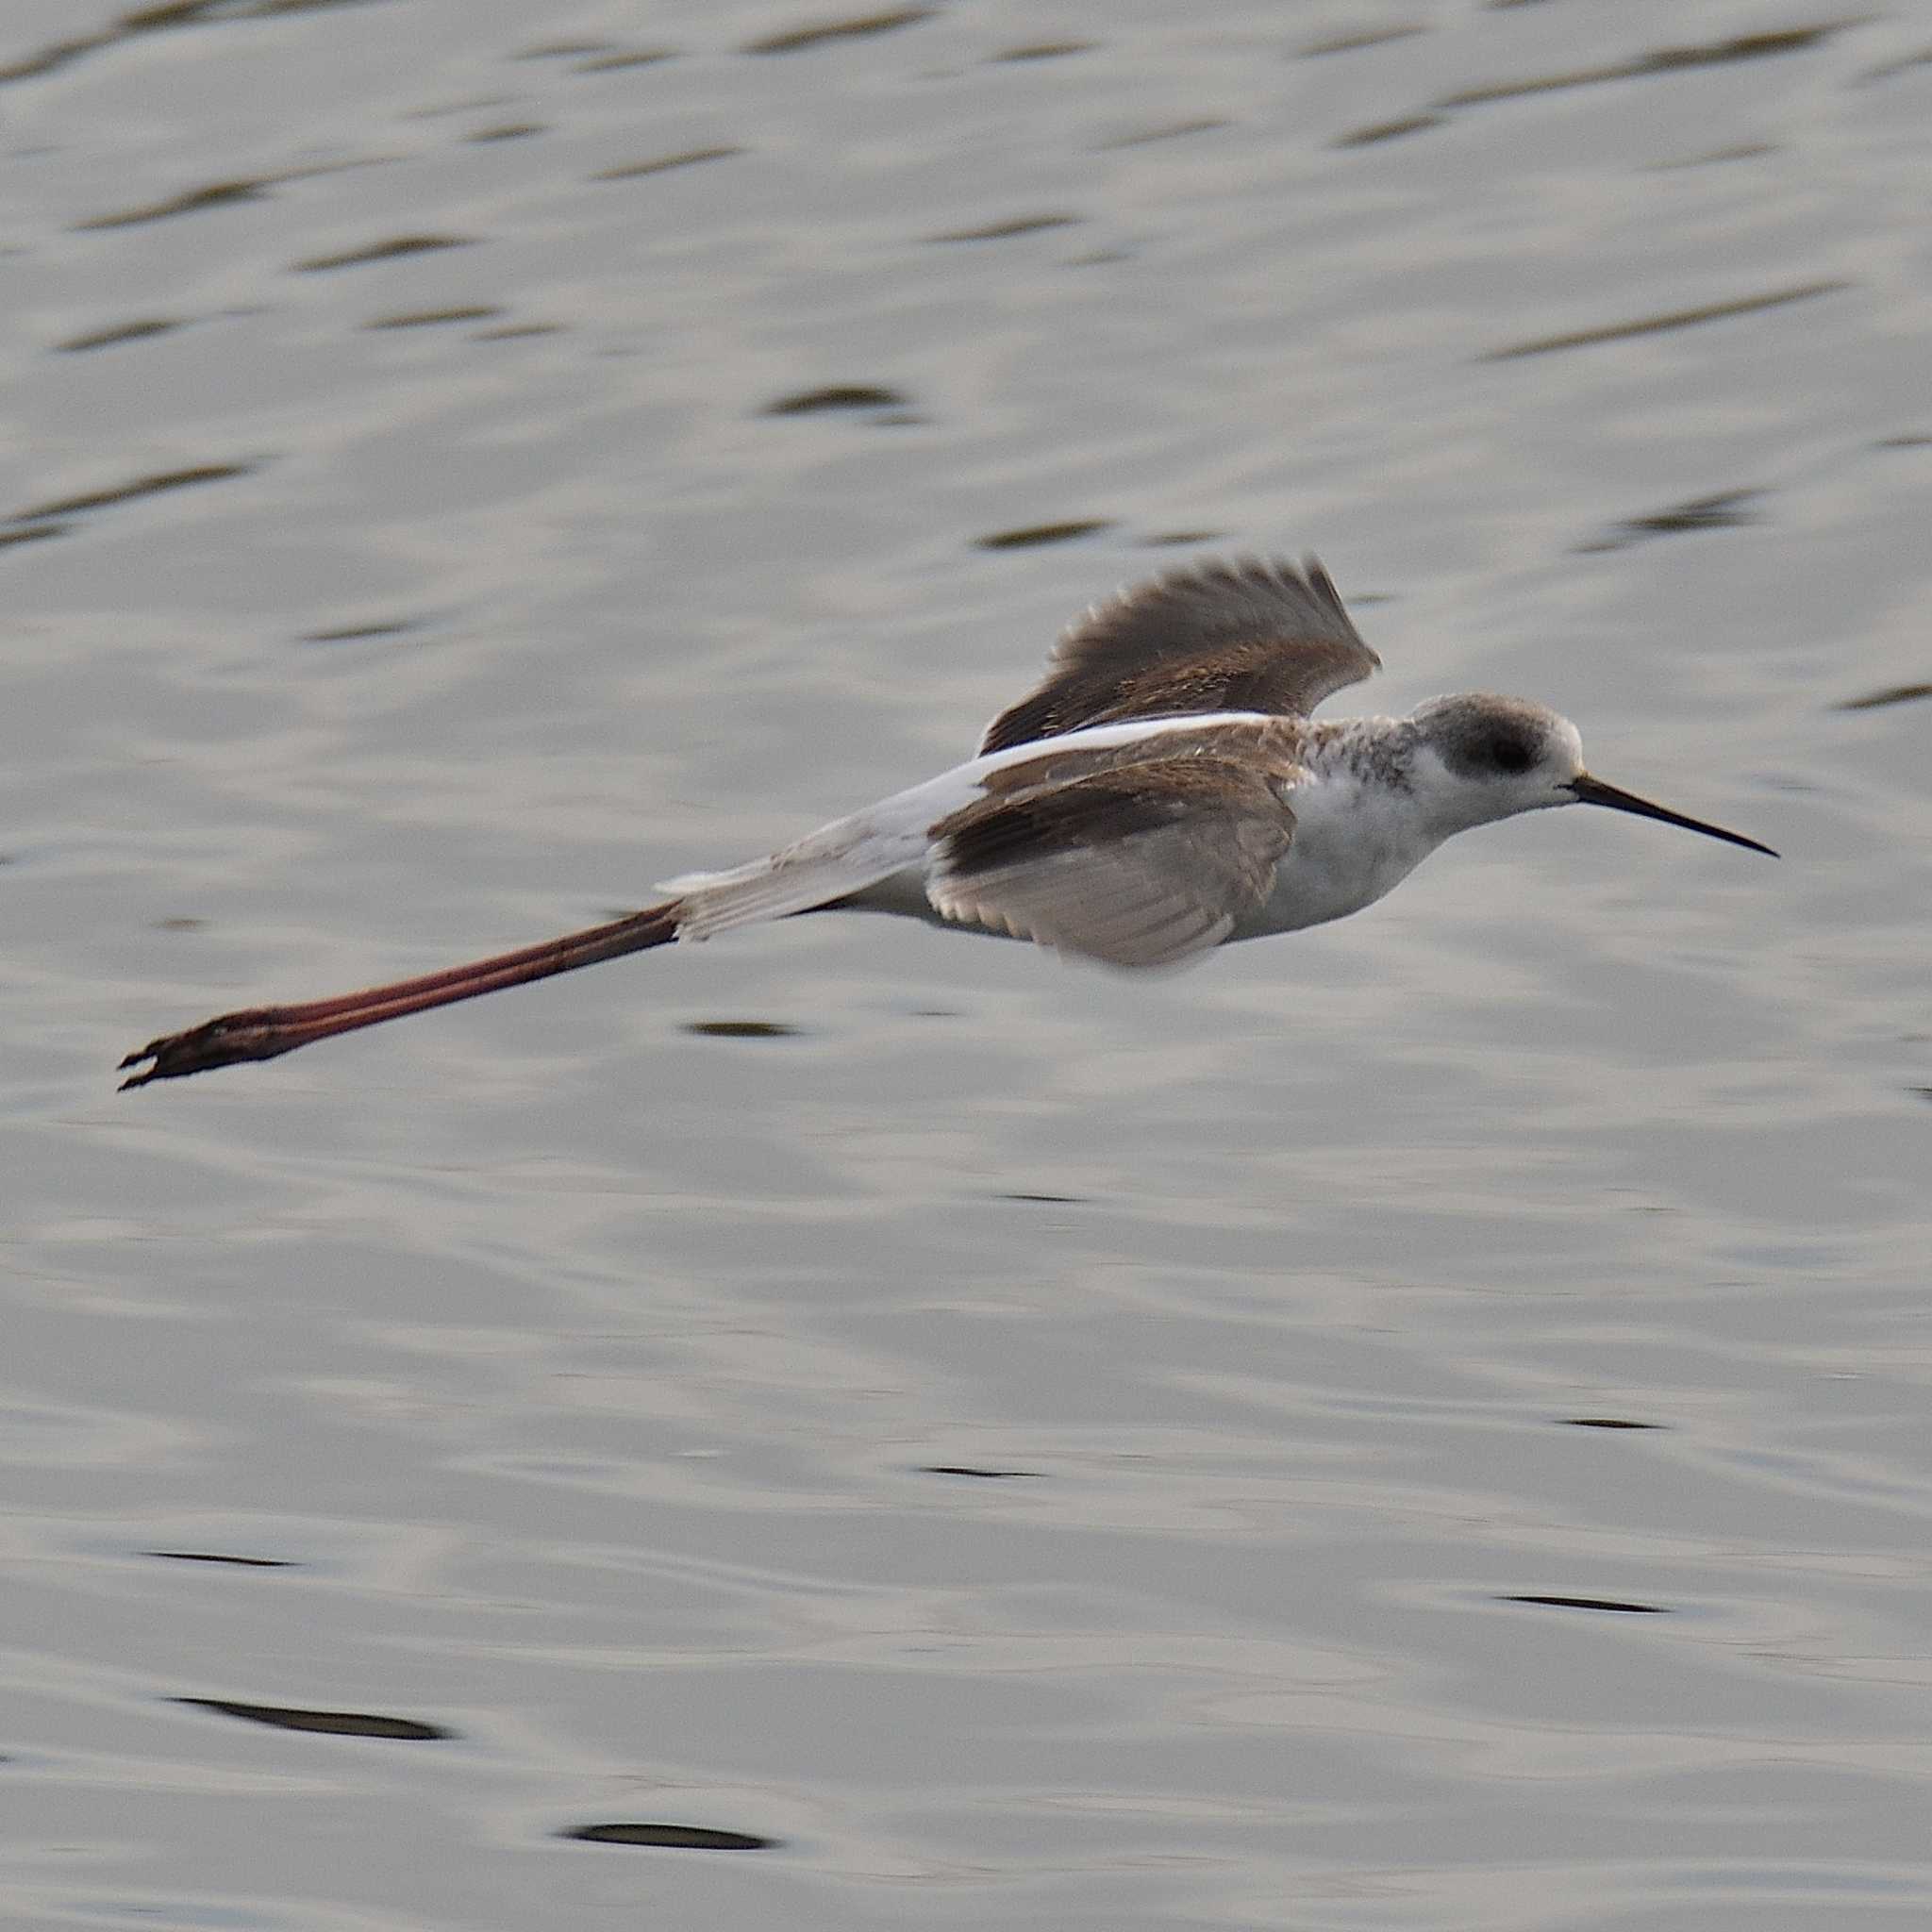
<point x="1348" y="851"/>
<point x="1309" y="890"/>
<point x="1340" y="860"/>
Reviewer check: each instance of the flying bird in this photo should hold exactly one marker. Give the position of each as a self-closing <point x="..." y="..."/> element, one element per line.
<point x="1164" y="790"/>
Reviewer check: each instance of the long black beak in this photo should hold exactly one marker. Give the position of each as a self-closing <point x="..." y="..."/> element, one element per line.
<point x="1594" y="791"/>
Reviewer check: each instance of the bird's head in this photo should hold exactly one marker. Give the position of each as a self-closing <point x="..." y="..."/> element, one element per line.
<point x="1485" y="757"/>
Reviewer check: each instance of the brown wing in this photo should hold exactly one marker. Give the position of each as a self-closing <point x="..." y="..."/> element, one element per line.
<point x="1137" y="861"/>
<point x="1247" y="635"/>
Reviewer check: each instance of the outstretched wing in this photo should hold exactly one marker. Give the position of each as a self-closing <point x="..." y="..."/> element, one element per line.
<point x="1248" y="636"/>
<point x="1140" y="857"/>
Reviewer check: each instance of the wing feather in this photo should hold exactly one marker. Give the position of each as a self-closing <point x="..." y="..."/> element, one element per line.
<point x="1245" y="636"/>
<point x="1138" y="861"/>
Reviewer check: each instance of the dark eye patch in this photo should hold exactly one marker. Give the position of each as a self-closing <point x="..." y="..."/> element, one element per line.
<point x="1507" y="751"/>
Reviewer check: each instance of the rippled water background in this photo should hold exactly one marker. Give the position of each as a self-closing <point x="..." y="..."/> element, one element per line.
<point x="1422" y="1425"/>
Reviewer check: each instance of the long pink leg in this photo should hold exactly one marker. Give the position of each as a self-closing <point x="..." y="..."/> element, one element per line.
<point x="262" y="1032"/>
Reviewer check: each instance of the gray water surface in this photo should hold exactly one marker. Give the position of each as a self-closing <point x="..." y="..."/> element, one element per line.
<point x="1419" y="1425"/>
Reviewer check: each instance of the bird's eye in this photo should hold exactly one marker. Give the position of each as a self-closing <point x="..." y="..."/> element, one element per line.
<point x="1509" y="753"/>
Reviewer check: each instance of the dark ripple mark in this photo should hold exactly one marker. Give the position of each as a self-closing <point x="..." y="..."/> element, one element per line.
<point x="1046" y="1199"/>
<point x="564" y="50"/>
<point x="392" y="250"/>
<point x="991" y="1476"/>
<point x="160" y="18"/>
<point x="663" y="164"/>
<point x="1893" y="69"/>
<point x="1589" y="1602"/>
<point x="119" y="332"/>
<point x="1658" y="324"/>
<point x="740" y="1029"/>
<point x="1002" y="231"/>
<point x="1387" y="130"/>
<point x="798" y="39"/>
<point x="213" y="194"/>
<point x="217" y="13"/>
<point x="192" y="202"/>
<point x="844" y="395"/>
<point x="1744" y="151"/>
<point x="1355" y="42"/>
<point x="1045" y="50"/>
<point x="31" y="532"/>
<point x="510" y="130"/>
<point x="1175" y="131"/>
<point x="1041" y="533"/>
<point x="358" y="633"/>
<point x="1607" y="1422"/>
<point x="1663" y="60"/>
<point x="1162" y="538"/>
<point x="1729" y="511"/>
<point x="469" y="104"/>
<point x="431" y="318"/>
<point x="635" y="56"/>
<point x="128" y="493"/>
<point x="51" y="58"/>
<point x="683" y="1838"/>
<point x="210" y="1555"/>
<point x="340" y="1723"/>
<point x="1891" y="694"/>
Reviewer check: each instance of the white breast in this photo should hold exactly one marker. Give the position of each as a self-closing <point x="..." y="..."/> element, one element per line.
<point x="1353" y="844"/>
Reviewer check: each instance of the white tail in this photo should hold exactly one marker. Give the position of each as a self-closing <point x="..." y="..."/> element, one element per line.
<point x="832" y="863"/>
